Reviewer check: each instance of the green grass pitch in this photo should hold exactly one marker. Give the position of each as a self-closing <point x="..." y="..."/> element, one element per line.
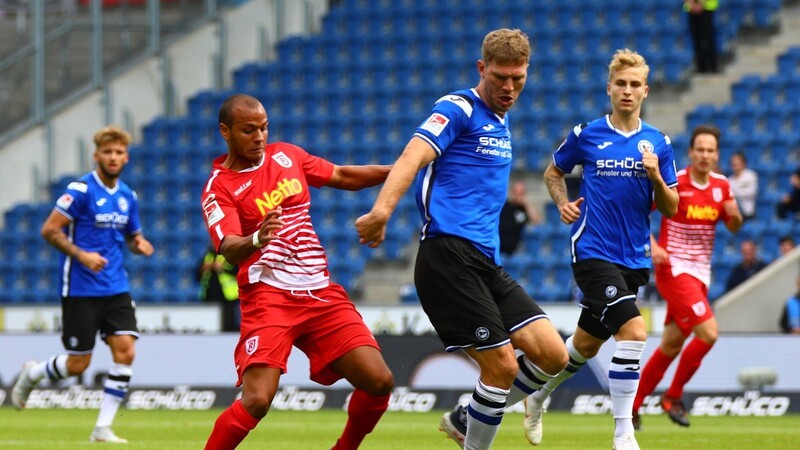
<point x="177" y="430"/>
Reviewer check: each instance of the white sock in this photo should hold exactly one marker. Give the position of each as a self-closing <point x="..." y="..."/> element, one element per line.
<point x="576" y="361"/>
<point x="484" y="414"/>
<point x="114" y="390"/>
<point x="54" y="368"/>
<point x="623" y="381"/>
<point x="529" y="379"/>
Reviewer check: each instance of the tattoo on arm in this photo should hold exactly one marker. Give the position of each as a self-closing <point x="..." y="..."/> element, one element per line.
<point x="557" y="188"/>
<point x="60" y="241"/>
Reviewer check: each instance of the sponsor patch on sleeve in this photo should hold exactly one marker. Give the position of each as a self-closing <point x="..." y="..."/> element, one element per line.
<point x="65" y="201"/>
<point x="213" y="212"/>
<point x="435" y="124"/>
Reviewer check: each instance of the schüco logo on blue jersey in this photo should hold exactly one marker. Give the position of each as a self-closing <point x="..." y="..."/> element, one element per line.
<point x="627" y="163"/>
<point x="500" y="147"/>
<point x="111" y="220"/>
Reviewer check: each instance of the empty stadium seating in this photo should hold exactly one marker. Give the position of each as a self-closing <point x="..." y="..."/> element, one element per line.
<point x="356" y="92"/>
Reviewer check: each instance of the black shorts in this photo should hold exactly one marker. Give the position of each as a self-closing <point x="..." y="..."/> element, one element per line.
<point x="469" y="300"/>
<point x="609" y="295"/>
<point x="83" y="317"/>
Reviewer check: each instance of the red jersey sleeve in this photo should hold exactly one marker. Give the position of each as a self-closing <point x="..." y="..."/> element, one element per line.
<point x="318" y="171"/>
<point x="222" y="217"/>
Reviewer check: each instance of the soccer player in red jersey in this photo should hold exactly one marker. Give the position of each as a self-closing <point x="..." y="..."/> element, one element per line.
<point x="256" y="205"/>
<point x="682" y="259"/>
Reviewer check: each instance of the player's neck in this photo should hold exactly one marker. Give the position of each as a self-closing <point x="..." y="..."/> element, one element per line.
<point x="699" y="177"/>
<point x="108" y="181"/>
<point x="624" y="123"/>
<point x="237" y="164"/>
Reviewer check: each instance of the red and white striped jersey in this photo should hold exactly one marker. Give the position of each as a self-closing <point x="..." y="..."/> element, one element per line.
<point x="235" y="203"/>
<point x="689" y="235"/>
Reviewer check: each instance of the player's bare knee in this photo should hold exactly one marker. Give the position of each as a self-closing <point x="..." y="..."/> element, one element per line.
<point x="670" y="350"/>
<point x="257" y="403"/>
<point x="381" y="385"/>
<point x="709" y="337"/>
<point x="587" y="349"/>
<point x="552" y="359"/>
<point x="500" y="373"/>
<point x="77" y="364"/>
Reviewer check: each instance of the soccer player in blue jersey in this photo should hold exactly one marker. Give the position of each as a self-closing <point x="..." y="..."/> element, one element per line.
<point x="627" y="165"/>
<point x="90" y="225"/>
<point x="461" y="155"/>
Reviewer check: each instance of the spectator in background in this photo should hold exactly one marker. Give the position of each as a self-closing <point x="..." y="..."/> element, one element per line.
<point x="516" y="213"/>
<point x="744" y="184"/>
<point x="704" y="33"/>
<point x="790" y="318"/>
<point x="218" y="285"/>
<point x="790" y="202"/>
<point x="747" y="268"/>
<point x="786" y="244"/>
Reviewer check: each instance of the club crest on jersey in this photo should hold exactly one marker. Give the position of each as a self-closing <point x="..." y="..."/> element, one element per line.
<point x="282" y="160"/>
<point x="611" y="291"/>
<point x="435" y="123"/>
<point x="251" y="345"/>
<point x="482" y="333"/>
<point x="123" y="204"/>
<point x="65" y="201"/>
<point x="645" y="146"/>
<point x="716" y="194"/>
<point x="699" y="309"/>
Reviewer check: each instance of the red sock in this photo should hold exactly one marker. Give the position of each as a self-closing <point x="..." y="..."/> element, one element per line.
<point x="652" y="373"/>
<point x="363" y="414"/>
<point x="231" y="428"/>
<point x="690" y="360"/>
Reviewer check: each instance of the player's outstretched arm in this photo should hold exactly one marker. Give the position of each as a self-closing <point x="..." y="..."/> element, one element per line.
<point x="353" y="178"/>
<point x="371" y="227"/>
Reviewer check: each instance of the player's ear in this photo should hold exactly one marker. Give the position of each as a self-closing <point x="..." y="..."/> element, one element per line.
<point x="224" y="131"/>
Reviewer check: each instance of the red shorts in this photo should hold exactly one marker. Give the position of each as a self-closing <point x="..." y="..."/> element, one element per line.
<point x="687" y="299"/>
<point x="323" y="323"/>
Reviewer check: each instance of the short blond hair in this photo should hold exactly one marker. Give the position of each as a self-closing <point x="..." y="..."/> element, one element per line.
<point x="506" y="47"/>
<point x="111" y="133"/>
<point x="624" y="59"/>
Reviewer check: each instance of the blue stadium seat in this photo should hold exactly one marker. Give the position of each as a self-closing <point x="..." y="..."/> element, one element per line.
<point x="745" y="91"/>
<point x="765" y="13"/>
<point x="291" y="50"/>
<point x="700" y="115"/>
<point x="789" y="62"/>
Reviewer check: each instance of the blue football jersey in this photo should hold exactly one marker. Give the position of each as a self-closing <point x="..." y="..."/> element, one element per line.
<point x="618" y="197"/>
<point x="100" y="218"/>
<point x="463" y="190"/>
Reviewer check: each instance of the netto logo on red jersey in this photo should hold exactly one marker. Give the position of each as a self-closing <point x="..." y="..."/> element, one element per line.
<point x="271" y="200"/>
<point x="706" y="212"/>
